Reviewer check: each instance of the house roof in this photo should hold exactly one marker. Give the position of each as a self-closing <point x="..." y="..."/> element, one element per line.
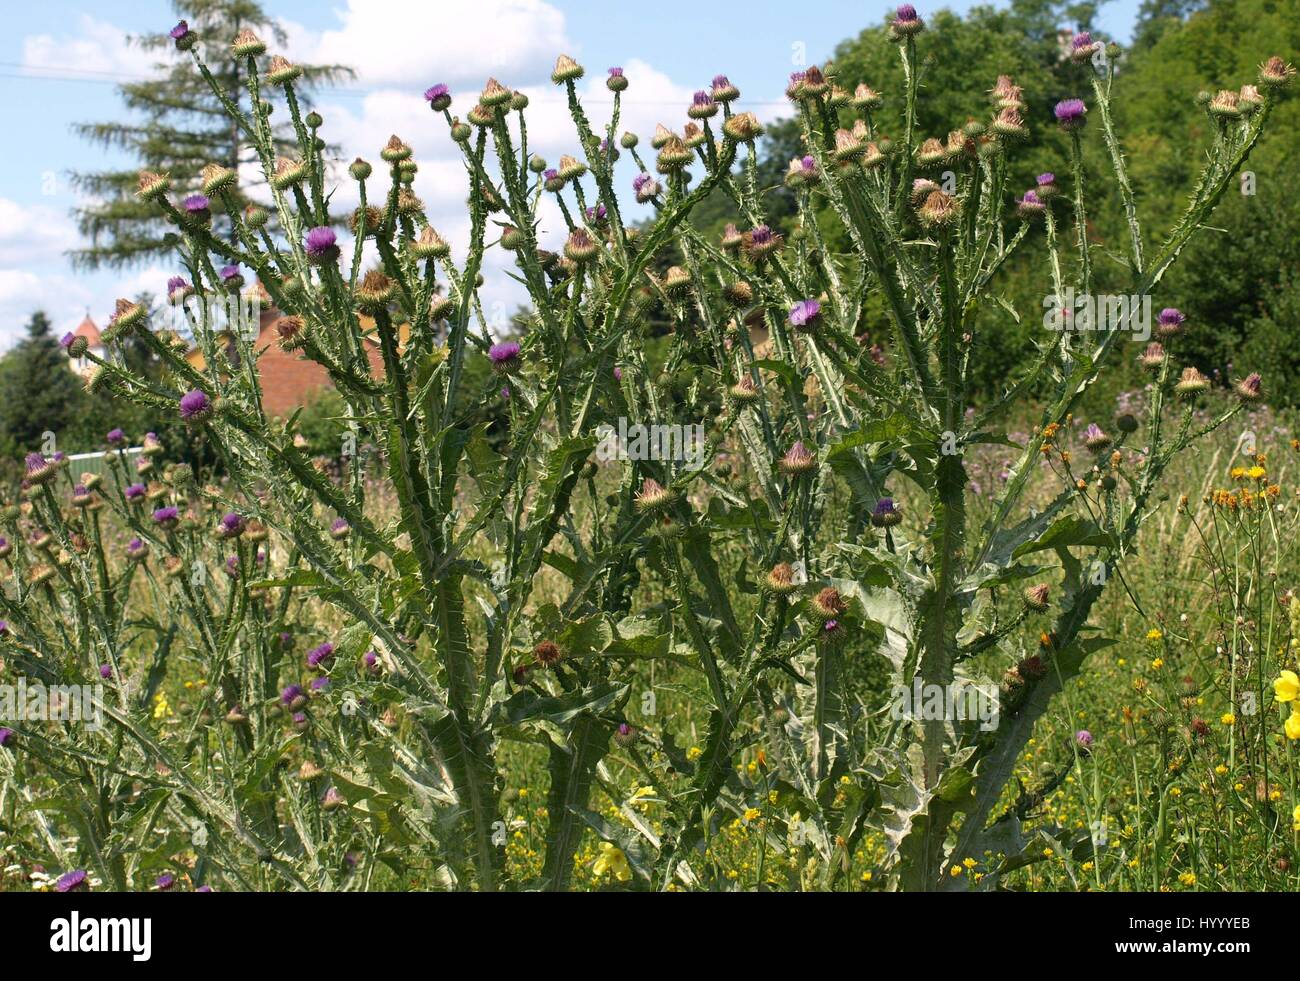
<point x="89" y="331"/>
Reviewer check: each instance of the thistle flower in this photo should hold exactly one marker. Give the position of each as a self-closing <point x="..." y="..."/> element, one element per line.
<point x="616" y="81"/>
<point x="760" y="242"/>
<point x="1083" y="47"/>
<point x="135" y="492"/>
<point x="625" y="735"/>
<point x="1046" y="185"/>
<point x="281" y="71"/>
<point x="319" y="655"/>
<point x="74" y="881"/>
<point x="1153" y="358"/>
<point x="1191" y="383"/>
<point x="247" y="44"/>
<point x="106" y="671"/>
<point x="1083" y="739"/>
<point x="828" y="605"/>
<point x="167" y="518"/>
<point x="430" y="245"/>
<point x="80" y="497"/>
<point x="151" y="186"/>
<point x="231" y="277"/>
<point x="723" y="90"/>
<point x="231" y="525"/>
<point x="1095" y="439"/>
<point x="321" y="246"/>
<point x="743" y="127"/>
<point x="293" y="697"/>
<point x="865" y="97"/>
<point x="332" y="800"/>
<point x="1009" y="123"/>
<point x="1169" y="322"/>
<point x="780" y="581"/>
<point x="885" y="514"/>
<point x="1250" y="388"/>
<point x="39" y="469"/>
<point x="653" y="496"/>
<point x="674" y="156"/>
<point x="136" y="550"/>
<point x="287" y="173"/>
<point x="196" y="407"/>
<point x="702" y="106"/>
<point x="1275" y="73"/>
<point x="39" y="575"/>
<point x="127" y="316"/>
<point x="566" y="70"/>
<point x="1030" y="205"/>
<point x="374" y="292"/>
<point x="1070" y="114"/>
<point x="438" y="96"/>
<point x="939" y="210"/>
<point x="1036" y="597"/>
<point x="798" y="461"/>
<point x="217" y="179"/>
<point x="745" y="391"/>
<point x="646" y="187"/>
<point x="197" y="208"/>
<point x="504" y="357"/>
<point x="1226" y="104"/>
<point x="906" y="23"/>
<point x="805" y="315"/>
<point x="548" y="653"/>
<point x="340" y="529"/>
<point x="579" y="247"/>
<point x="570" y="168"/>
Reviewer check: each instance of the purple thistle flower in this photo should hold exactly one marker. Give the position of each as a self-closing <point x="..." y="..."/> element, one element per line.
<point x="1047" y="178"/>
<point x="721" y="82"/>
<point x="293" y="697"/>
<point x="203" y="889"/>
<point x="803" y="313"/>
<point x="1170" y="317"/>
<point x="760" y="235"/>
<point x="319" y="655"/>
<point x="66" y="340"/>
<point x="438" y="96"/>
<point x="195" y="405"/>
<point x="230" y="272"/>
<point x="884" y="506"/>
<point x="115" y="437"/>
<point x="616" y="73"/>
<point x="71" y="881"/>
<point x="196" y="204"/>
<point x="179" y="31"/>
<point x="300" y="721"/>
<point x="6" y="736"/>
<point x="618" y="373"/>
<point x="136" y="549"/>
<point x="640" y="181"/>
<point x="106" y="671"/>
<point x="135" y="492"/>
<point x="1084" y="738"/>
<point x="504" y="357"/>
<point x="177" y="283"/>
<point x="339" y="528"/>
<point x="232" y="525"/>
<point x="830" y="626"/>
<point x="1070" y="113"/>
<point x="702" y="98"/>
<point x="371" y="661"/>
<point x="596" y="213"/>
<point x="164" y="882"/>
<point x="319" y="684"/>
<point x="905" y="12"/>
<point x="1031" y="198"/>
<point x="320" y="243"/>
<point x="1081" y="40"/>
<point x="167" y="517"/>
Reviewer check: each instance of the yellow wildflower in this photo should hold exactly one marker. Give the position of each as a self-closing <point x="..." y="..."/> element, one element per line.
<point x="1286" y="687"/>
<point x="611" y="860"/>
<point x="1292" y="725"/>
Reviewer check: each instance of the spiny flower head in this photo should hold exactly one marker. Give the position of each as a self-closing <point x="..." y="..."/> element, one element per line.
<point x="1169" y="322"/>
<point x="195" y="406"/>
<point x="1036" y="597"/>
<point x="231" y="525"/>
<point x="1095" y="439"/>
<point x="167" y="517"/>
<point x="780" y="580"/>
<point x="653" y="496"/>
<point x="1251" y="388"/>
<point x="885" y="514"/>
<point x="906" y="23"/>
<point x="798" y="460"/>
<point x="805" y="314"/>
<point x="319" y="655"/>
<point x="828" y="604"/>
<point x="504" y="357"/>
<point x="438" y="96"/>
<point x="548" y="653"/>
<point x="1070" y="114"/>
<point x="321" y="244"/>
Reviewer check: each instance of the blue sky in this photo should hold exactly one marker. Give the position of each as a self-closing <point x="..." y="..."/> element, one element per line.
<point x="60" y="62"/>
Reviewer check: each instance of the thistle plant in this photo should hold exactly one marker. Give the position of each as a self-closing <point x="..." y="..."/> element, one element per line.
<point x="826" y="521"/>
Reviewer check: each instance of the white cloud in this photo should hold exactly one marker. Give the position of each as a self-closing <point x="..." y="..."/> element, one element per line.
<point x="31" y="234"/>
<point x="415" y="43"/>
<point x="22" y="292"/>
<point x="97" y="47"/>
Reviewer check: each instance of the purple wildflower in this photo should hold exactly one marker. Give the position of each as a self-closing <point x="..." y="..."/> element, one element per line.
<point x="321" y="244"/>
<point x="1084" y="738"/>
<point x="438" y="96"/>
<point x="340" y="529"/>
<point x="197" y="205"/>
<point x="71" y="881"/>
<point x="177" y="283"/>
<point x="167" y="517"/>
<point x="232" y="525"/>
<point x="804" y="313"/>
<point x="164" y="882"/>
<point x="319" y="684"/>
<point x="135" y="492"/>
<point x="504" y="357"/>
<point x="371" y="662"/>
<point x="6" y="736"/>
<point x="293" y="697"/>
<point x="179" y="31"/>
<point x="616" y="72"/>
<point x="195" y="406"/>
<point x="319" y="655"/>
<point x="1070" y="114"/>
<point x="106" y="671"/>
<point x="66" y="340"/>
<point x="115" y="437"/>
<point x="1047" y="178"/>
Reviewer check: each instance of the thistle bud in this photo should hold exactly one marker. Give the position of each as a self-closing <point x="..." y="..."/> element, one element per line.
<point x="1095" y="439"/>
<point x="1250" y="388"/>
<point x="743" y="127"/>
<point x="288" y="173"/>
<point x="281" y="71"/>
<point x="827" y="605"/>
<point x="653" y="497"/>
<point x="798" y="461"/>
<point x="395" y="150"/>
<point x="905" y="23"/>
<point x="247" y="45"/>
<point x="548" y="654"/>
<point x="1275" y="73"/>
<point x="939" y="210"/>
<point x="1191" y="383"/>
<point x="723" y="90"/>
<point x="1036" y="597"/>
<point x="152" y="186"/>
<point x="566" y="70"/>
<point x="374" y="292"/>
<point x="780" y="581"/>
<point x="745" y="391"/>
<point x="1153" y="358"/>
